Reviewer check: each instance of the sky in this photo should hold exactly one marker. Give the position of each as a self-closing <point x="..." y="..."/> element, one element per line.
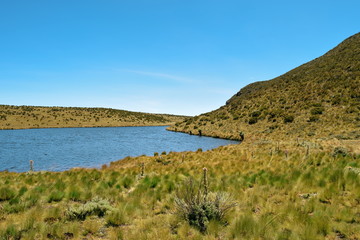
<point x="160" y="56"/>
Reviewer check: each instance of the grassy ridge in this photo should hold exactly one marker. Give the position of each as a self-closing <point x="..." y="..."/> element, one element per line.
<point x="19" y="117"/>
<point x="297" y="190"/>
<point x="320" y="99"/>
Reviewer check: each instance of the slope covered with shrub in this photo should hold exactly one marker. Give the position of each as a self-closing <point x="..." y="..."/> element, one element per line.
<point x="318" y="99"/>
<point x="18" y="117"/>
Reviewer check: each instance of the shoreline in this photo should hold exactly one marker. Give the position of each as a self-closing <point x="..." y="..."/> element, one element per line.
<point x="140" y="125"/>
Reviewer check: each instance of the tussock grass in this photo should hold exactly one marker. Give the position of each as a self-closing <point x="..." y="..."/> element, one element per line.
<point x="282" y="193"/>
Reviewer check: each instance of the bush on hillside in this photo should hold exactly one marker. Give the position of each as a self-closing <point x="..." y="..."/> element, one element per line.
<point x="288" y="119"/>
<point x="253" y="120"/>
<point x="317" y="111"/>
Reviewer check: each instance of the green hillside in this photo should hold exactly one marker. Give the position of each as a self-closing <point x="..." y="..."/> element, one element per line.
<point x="19" y="117"/>
<point x="319" y="99"/>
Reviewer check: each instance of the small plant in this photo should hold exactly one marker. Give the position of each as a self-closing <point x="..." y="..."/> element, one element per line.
<point x="31" y="165"/>
<point x="142" y="169"/>
<point x="97" y="206"/>
<point x="242" y="136"/>
<point x="198" y="206"/>
<point x="116" y="218"/>
<point x="340" y="151"/>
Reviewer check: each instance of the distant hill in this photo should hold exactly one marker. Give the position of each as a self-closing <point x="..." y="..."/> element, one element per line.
<point x="320" y="99"/>
<point x="20" y="117"/>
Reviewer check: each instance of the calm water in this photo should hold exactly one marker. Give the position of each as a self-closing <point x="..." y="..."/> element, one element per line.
<point x="60" y="149"/>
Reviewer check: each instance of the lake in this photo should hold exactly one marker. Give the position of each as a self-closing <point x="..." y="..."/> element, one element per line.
<point x="58" y="149"/>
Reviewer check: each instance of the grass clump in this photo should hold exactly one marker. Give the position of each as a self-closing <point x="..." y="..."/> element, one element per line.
<point x="6" y="194"/>
<point x="116" y="218"/>
<point x="10" y="233"/>
<point x="56" y="196"/>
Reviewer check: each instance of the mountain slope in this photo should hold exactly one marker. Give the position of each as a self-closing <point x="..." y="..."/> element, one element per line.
<point x="19" y="117"/>
<point x="318" y="99"/>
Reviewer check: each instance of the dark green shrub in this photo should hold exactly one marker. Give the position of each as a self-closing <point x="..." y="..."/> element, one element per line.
<point x="288" y="119"/>
<point x="313" y="119"/>
<point x="253" y="120"/>
<point x="255" y="114"/>
<point x="317" y="111"/>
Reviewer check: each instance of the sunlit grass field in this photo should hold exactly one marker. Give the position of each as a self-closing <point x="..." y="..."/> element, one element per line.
<point x="297" y="190"/>
<point x="23" y="117"/>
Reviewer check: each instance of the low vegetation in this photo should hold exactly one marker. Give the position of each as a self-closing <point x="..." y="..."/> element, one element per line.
<point x="262" y="190"/>
<point x="20" y="117"/>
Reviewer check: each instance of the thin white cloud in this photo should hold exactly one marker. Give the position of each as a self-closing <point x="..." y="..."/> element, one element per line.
<point x="162" y="75"/>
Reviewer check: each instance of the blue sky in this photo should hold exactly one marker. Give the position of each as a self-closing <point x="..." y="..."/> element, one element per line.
<point x="160" y="56"/>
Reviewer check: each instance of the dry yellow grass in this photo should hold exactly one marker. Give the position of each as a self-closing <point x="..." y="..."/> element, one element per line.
<point x="20" y="117"/>
<point x="284" y="190"/>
